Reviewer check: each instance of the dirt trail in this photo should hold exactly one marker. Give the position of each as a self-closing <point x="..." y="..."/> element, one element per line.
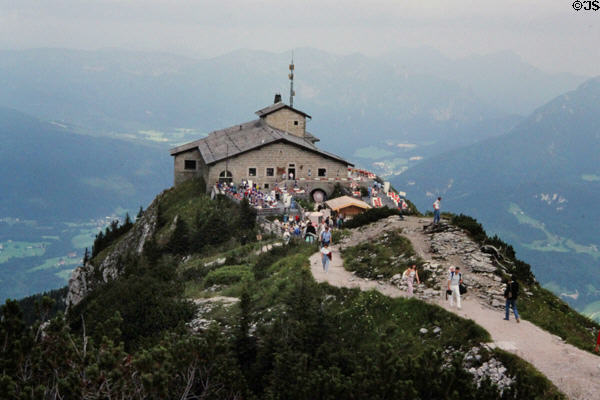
<point x="575" y="372"/>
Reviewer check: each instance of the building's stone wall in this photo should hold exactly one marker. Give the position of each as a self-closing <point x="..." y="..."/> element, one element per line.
<point x="182" y="174"/>
<point x="285" y="119"/>
<point x="279" y="156"/>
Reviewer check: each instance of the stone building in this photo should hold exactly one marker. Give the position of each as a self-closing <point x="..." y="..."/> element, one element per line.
<point x="274" y="149"/>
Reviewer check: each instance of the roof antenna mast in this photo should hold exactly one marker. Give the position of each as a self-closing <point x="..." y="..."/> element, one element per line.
<point x="291" y="76"/>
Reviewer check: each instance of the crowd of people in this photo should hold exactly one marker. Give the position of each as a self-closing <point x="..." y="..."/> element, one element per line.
<point x="255" y="196"/>
<point x="260" y="197"/>
<point x="304" y="229"/>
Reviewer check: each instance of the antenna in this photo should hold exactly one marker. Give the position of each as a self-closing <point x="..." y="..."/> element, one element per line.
<point x="291" y="76"/>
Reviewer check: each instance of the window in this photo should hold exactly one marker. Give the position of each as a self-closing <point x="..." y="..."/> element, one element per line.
<point x="225" y="177"/>
<point x="266" y="185"/>
<point x="189" y="164"/>
<point x="296" y="123"/>
<point x="251" y="171"/>
<point x="322" y="172"/>
<point x="270" y="171"/>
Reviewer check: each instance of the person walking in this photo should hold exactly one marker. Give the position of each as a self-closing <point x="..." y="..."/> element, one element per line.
<point x="597" y="348"/>
<point x="436" y="210"/>
<point x="510" y="294"/>
<point x="326" y="256"/>
<point x="326" y="236"/>
<point x="411" y="273"/>
<point x="403" y="208"/>
<point x="311" y="233"/>
<point x="454" y="281"/>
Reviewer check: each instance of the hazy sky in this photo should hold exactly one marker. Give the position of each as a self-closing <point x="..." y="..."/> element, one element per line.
<point x="546" y="33"/>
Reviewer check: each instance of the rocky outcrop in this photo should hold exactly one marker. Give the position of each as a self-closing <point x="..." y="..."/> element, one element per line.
<point x="86" y="277"/>
<point x="372" y="231"/>
<point x="481" y="366"/>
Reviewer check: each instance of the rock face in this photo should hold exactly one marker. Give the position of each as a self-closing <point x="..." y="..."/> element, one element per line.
<point x="86" y="277"/>
<point x="480" y="268"/>
<point x="201" y="321"/>
<point x="491" y="369"/>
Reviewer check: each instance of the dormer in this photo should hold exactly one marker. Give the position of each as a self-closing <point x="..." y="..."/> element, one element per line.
<point x="283" y="117"/>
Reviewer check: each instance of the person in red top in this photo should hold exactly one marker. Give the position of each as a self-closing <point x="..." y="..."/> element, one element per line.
<point x="597" y="342"/>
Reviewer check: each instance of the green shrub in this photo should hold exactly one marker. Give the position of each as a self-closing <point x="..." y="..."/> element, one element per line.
<point x="339" y="234"/>
<point x="227" y="275"/>
<point x="339" y="191"/>
<point x="387" y="255"/>
<point x="306" y="204"/>
<point x="37" y="307"/>
<point x="369" y="216"/>
<point x="470" y="224"/>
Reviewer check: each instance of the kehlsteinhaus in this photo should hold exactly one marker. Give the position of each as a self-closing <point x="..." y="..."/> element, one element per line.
<point x="273" y="149"/>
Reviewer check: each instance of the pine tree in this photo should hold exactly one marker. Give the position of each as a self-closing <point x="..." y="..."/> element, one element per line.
<point x="98" y="244"/>
<point x="127" y="224"/>
<point x="247" y="219"/>
<point x="180" y="240"/>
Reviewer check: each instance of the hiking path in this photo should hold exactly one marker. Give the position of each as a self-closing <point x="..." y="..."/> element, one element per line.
<point x="575" y="372"/>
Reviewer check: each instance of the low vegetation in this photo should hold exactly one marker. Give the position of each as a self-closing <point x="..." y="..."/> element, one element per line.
<point x="370" y="216"/>
<point x="383" y="257"/>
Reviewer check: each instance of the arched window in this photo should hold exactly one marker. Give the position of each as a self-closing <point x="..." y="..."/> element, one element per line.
<point x="225" y="177"/>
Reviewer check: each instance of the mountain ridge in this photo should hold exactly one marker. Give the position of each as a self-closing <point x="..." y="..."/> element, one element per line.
<point x="535" y="183"/>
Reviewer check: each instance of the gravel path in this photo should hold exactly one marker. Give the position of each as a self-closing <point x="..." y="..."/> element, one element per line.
<point x="575" y="372"/>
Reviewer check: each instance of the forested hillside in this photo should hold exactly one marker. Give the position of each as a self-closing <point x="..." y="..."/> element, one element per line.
<point x="205" y="310"/>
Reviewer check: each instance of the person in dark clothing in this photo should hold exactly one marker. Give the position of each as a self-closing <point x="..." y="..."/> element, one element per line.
<point x="311" y="233"/>
<point x="510" y="294"/>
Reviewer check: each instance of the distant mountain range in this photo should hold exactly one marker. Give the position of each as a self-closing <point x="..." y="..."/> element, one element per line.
<point x="538" y="186"/>
<point x="394" y="109"/>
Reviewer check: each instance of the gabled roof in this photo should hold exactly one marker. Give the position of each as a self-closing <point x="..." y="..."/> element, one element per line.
<point x="346" y="201"/>
<point x="239" y="139"/>
<point x="278" y="106"/>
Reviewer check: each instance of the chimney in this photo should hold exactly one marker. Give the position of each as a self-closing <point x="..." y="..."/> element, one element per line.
<point x="277" y="98"/>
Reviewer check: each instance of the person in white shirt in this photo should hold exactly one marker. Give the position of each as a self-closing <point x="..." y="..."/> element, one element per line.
<point x="454" y="281"/>
<point x="436" y="210"/>
<point x="326" y="256"/>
